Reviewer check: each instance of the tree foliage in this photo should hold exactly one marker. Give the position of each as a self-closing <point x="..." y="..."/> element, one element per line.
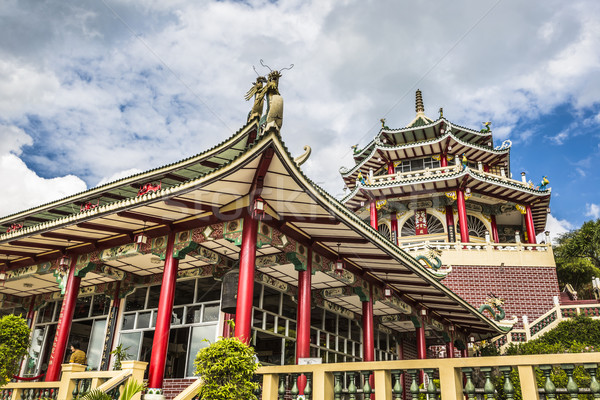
<point x="227" y="368"/>
<point x="578" y="256"/>
<point x="14" y="341"/>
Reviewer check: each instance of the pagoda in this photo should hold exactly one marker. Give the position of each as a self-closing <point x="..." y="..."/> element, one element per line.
<point x="445" y="194"/>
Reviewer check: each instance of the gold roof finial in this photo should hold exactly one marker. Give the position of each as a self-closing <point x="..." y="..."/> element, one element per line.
<point x="420" y="106"/>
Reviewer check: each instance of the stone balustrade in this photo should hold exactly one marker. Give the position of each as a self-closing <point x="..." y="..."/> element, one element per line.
<point x="75" y="381"/>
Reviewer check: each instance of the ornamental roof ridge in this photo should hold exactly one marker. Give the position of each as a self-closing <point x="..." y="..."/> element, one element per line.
<point x="466" y="171"/>
<point x="134" y="177"/>
<point x="378" y="145"/>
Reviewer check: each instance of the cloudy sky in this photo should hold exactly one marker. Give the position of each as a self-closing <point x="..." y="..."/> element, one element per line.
<point x="91" y="91"/>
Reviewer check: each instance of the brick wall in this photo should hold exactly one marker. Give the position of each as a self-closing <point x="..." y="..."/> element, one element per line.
<point x="525" y="290"/>
<point x="172" y="387"/>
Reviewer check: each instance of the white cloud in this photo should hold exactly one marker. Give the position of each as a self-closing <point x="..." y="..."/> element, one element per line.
<point x="23" y="189"/>
<point x="104" y="100"/>
<point x="592" y="210"/>
<point x="556" y="227"/>
<point x="119" y="175"/>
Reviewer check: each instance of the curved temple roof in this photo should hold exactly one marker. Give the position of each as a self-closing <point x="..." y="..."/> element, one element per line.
<point x="295" y="206"/>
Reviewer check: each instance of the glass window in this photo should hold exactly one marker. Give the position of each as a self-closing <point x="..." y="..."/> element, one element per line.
<point x="128" y="320"/>
<point x="136" y="300"/>
<point x="184" y="292"/>
<point x="355" y="331"/>
<point x="94" y="353"/>
<point x="177" y="316"/>
<point x="271" y="300"/>
<point x="199" y="333"/>
<point x="211" y="313"/>
<point x="416" y="165"/>
<point x="343" y="326"/>
<point x="154" y="296"/>
<point x="100" y="305"/>
<point x="143" y="320"/>
<point x="131" y="343"/>
<point x="330" y="322"/>
<point x="208" y="290"/>
<point x="193" y="314"/>
<point x="176" y="353"/>
<point x="45" y="313"/>
<point x="82" y="307"/>
<point x="290" y="308"/>
<point x="316" y="317"/>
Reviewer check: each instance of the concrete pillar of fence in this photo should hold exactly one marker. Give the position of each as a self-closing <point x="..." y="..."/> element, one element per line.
<point x="270" y="386"/>
<point x="529" y="387"/>
<point x="137" y="369"/>
<point x="67" y="384"/>
<point x="451" y="383"/>
<point x="322" y="385"/>
<point x="383" y="384"/>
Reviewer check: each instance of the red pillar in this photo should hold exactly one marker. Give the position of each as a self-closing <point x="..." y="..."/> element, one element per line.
<point x="421" y="344"/>
<point x="373" y="210"/>
<point x="303" y="327"/>
<point x="226" y="328"/>
<point x="368" y="334"/>
<point x="394" y="224"/>
<point x="160" y="344"/>
<point x="243" y="315"/>
<point x="390" y="168"/>
<point x="31" y="311"/>
<point x="443" y="160"/>
<point x="529" y="225"/>
<point x="450" y="224"/>
<point x="462" y="216"/>
<point x="59" y="347"/>
<point x="495" y="236"/>
<point x="450" y="349"/>
<point x="464" y="353"/>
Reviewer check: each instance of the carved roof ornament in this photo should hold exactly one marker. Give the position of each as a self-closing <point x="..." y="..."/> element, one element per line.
<point x="270" y="91"/>
<point x="419" y="100"/>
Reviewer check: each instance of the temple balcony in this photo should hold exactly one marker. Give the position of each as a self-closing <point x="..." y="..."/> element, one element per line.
<point x="480" y="253"/>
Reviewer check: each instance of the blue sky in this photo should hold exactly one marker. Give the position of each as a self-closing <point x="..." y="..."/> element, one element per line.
<point x="99" y="90"/>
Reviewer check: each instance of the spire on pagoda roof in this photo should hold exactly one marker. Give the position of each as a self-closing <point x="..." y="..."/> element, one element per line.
<point x="421" y="118"/>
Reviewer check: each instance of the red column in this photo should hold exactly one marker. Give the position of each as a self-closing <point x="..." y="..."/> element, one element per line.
<point x="394" y="224"/>
<point x="390" y="167"/>
<point x="529" y="225"/>
<point x="444" y="160"/>
<point x="495" y="236"/>
<point x="226" y="328"/>
<point x="450" y="224"/>
<point x="450" y="349"/>
<point x="160" y="344"/>
<point x="462" y="216"/>
<point x="30" y="312"/>
<point x="464" y="353"/>
<point x="373" y="210"/>
<point x="421" y="344"/>
<point x="368" y="334"/>
<point x="243" y="315"/>
<point x="59" y="347"/>
<point x="303" y="327"/>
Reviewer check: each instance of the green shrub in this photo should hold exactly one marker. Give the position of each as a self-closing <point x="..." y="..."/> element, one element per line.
<point x="227" y="368"/>
<point x="14" y="341"/>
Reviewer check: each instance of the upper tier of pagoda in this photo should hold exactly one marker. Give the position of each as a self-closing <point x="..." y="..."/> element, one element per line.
<point x="437" y="157"/>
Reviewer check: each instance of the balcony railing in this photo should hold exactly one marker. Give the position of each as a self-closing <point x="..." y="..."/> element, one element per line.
<point x="475" y="378"/>
<point x="76" y="381"/>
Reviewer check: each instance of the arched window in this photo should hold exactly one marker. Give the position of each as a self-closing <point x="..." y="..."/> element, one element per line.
<point x="476" y="227"/>
<point x="434" y="225"/>
<point x="385" y="231"/>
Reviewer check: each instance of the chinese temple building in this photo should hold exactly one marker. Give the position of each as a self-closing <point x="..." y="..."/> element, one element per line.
<point x="161" y="260"/>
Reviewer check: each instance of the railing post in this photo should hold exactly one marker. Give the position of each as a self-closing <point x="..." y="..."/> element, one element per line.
<point x="322" y="385"/>
<point x="550" y="389"/>
<point x="383" y="384"/>
<point x="270" y="387"/>
<point x="529" y="389"/>
<point x="67" y="384"/>
<point x="137" y="369"/>
<point x="509" y="389"/>
<point x="594" y="385"/>
<point x="451" y="383"/>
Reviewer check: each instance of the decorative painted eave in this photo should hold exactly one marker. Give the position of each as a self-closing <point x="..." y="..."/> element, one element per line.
<point x="426" y="132"/>
<point x="478" y="181"/>
<point x="234" y="144"/>
<point x="371" y="160"/>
